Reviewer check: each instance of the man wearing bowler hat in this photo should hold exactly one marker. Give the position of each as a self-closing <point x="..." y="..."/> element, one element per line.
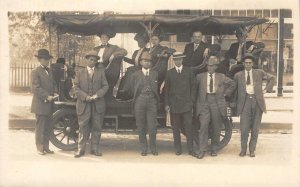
<point x="106" y="51"/>
<point x="90" y="86"/>
<point x="250" y="101"/>
<point x="144" y="89"/>
<point x="212" y="89"/>
<point x="42" y="86"/>
<point x="179" y="100"/>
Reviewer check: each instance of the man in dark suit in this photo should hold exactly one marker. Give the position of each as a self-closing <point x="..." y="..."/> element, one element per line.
<point x="106" y="51"/>
<point x="179" y="100"/>
<point x="195" y="53"/>
<point x="42" y="86"/>
<point x="124" y="87"/>
<point x="145" y="102"/>
<point x="212" y="89"/>
<point x="250" y="102"/>
<point x="90" y="86"/>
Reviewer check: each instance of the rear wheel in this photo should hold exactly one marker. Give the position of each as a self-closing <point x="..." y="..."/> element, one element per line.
<point x="65" y="129"/>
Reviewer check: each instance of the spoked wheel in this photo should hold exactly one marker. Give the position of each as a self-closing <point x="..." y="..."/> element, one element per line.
<point x="225" y="134"/>
<point x="65" y="129"/>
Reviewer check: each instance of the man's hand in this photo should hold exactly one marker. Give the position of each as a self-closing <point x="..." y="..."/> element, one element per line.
<point x="88" y="99"/>
<point x="50" y="98"/>
<point x="205" y="54"/>
<point x="94" y="97"/>
<point x="167" y="108"/>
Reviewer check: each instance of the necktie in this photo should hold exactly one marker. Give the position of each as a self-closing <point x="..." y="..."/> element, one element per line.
<point x="46" y="69"/>
<point x="248" y="78"/>
<point x="147" y="73"/>
<point x="211" y="82"/>
<point x="178" y="71"/>
<point x="103" y="46"/>
<point x="196" y="46"/>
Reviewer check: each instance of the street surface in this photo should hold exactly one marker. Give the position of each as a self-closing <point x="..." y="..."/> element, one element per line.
<point x="276" y="164"/>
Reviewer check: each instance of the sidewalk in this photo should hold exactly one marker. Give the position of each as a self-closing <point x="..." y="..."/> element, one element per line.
<point x="279" y="116"/>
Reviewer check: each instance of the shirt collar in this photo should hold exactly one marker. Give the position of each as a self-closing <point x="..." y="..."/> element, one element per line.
<point x="145" y="71"/>
<point x="89" y="68"/>
<point x="213" y="74"/>
<point x="179" y="68"/>
<point x="250" y="71"/>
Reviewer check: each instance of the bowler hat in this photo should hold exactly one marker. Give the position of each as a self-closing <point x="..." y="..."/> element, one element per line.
<point x="178" y="55"/>
<point x="248" y="56"/>
<point x="92" y="53"/>
<point x="43" y="53"/>
<point x="212" y="60"/>
<point x="108" y="31"/>
<point x="146" y="56"/>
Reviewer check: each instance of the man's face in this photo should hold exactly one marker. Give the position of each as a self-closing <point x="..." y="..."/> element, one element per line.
<point x="197" y="37"/>
<point x="248" y="63"/>
<point x="92" y="61"/>
<point x="104" y="39"/>
<point x="141" y="43"/>
<point x="146" y="63"/>
<point x="178" y="62"/>
<point x="44" y="62"/>
<point x="155" y="40"/>
<point x="211" y="68"/>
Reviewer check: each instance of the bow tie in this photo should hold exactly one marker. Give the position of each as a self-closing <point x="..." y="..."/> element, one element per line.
<point x="103" y="46"/>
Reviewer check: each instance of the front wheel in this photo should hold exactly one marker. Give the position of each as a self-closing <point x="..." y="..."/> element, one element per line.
<point x="65" y="129"/>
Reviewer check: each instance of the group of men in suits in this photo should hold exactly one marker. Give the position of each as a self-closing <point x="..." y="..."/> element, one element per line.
<point x="189" y="91"/>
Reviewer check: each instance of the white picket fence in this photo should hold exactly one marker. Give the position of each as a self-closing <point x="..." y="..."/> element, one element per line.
<point x="19" y="75"/>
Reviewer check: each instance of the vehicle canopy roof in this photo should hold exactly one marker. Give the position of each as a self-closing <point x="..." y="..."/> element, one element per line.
<point x="90" y="24"/>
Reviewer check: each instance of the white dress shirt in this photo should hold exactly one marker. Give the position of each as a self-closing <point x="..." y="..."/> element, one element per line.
<point x="195" y="46"/>
<point x="145" y="71"/>
<point x="208" y="81"/>
<point x="101" y="51"/>
<point x="250" y="87"/>
<point x="178" y="69"/>
<point x="90" y="71"/>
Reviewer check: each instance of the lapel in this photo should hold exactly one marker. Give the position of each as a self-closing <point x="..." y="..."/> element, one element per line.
<point x="204" y="83"/>
<point x="243" y="79"/>
<point x="43" y="73"/>
<point x="139" y="81"/>
<point x="106" y="52"/>
<point x="216" y="82"/>
<point x="95" y="76"/>
<point x="254" y="77"/>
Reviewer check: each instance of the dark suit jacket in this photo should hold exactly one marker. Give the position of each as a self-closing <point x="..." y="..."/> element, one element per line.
<point x="136" y="85"/>
<point x="258" y="77"/>
<point x="109" y="51"/>
<point x="159" y="63"/>
<point x="179" y="90"/>
<point x="42" y="86"/>
<point x="233" y="50"/>
<point x="224" y="87"/>
<point x="194" y="58"/>
<point x="132" y="60"/>
<point x="100" y="87"/>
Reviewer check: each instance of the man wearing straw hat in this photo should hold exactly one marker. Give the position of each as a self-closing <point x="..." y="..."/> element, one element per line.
<point x="90" y="86"/>
<point x="179" y="101"/>
<point x="42" y="86"/>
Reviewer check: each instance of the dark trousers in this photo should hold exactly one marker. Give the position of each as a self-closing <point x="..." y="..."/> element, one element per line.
<point x="145" y="110"/>
<point x="90" y="123"/>
<point x="210" y="115"/>
<point x="182" y="121"/>
<point x="250" y="120"/>
<point x="42" y="132"/>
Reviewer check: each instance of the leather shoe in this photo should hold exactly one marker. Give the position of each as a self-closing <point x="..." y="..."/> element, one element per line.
<point x="252" y="154"/>
<point x="201" y="155"/>
<point x="79" y="154"/>
<point x="49" y="151"/>
<point x="155" y="153"/>
<point x="96" y="153"/>
<point x="178" y="152"/>
<point x="192" y="153"/>
<point x="144" y="153"/>
<point x="41" y="152"/>
<point x="242" y="153"/>
<point x="213" y="153"/>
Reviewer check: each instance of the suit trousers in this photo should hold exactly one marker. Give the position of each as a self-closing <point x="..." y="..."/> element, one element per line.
<point x="42" y="132"/>
<point x="182" y="121"/>
<point x="90" y="122"/>
<point x="145" y="110"/>
<point x="210" y="115"/>
<point x="250" y="120"/>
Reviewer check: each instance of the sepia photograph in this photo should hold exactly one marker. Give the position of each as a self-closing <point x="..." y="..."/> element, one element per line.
<point x="150" y="93"/>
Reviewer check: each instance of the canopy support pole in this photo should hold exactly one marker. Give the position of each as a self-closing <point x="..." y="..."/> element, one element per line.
<point x="149" y="29"/>
<point x="50" y="44"/>
<point x="57" y="43"/>
<point x="280" y="54"/>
